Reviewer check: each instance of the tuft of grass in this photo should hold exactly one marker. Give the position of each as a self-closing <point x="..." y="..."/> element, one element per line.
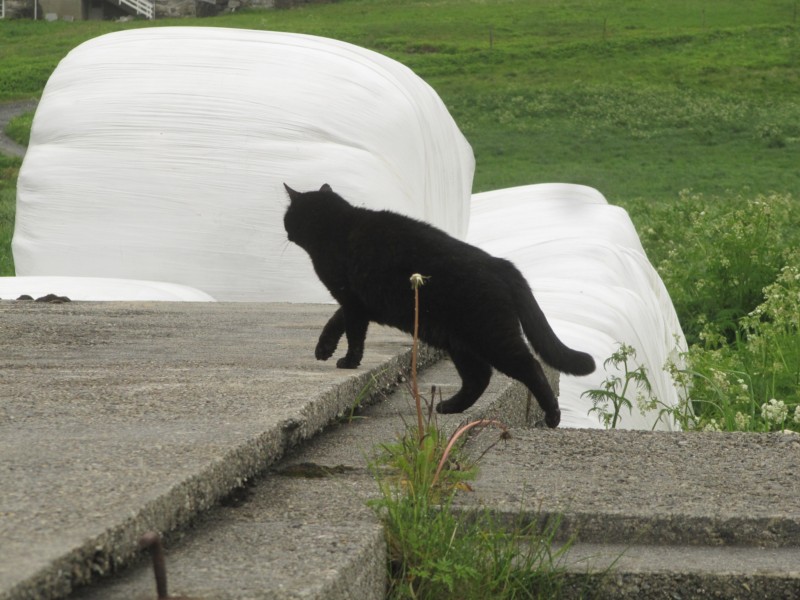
<point x="19" y="128"/>
<point x="436" y="552"/>
<point x="9" y="169"/>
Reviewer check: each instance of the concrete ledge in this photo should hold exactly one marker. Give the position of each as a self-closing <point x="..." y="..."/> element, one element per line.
<point x="656" y="514"/>
<point x="304" y="529"/>
<point x="121" y="418"/>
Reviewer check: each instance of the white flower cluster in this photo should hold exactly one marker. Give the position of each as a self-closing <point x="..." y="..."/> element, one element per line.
<point x="742" y="421"/>
<point x="796" y="417"/>
<point x="775" y="411"/>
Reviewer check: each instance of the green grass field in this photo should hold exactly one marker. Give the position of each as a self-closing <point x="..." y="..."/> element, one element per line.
<point x="639" y="100"/>
<point x="685" y="113"/>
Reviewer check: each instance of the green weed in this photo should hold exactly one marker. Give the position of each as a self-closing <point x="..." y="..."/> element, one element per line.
<point x="620" y="392"/>
<point x="435" y="552"/>
<point x="752" y="383"/>
<point x="716" y="255"/>
<point x="749" y="384"/>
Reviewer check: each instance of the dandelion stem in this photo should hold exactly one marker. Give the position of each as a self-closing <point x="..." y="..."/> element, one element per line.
<point x="416" y="281"/>
<point x="414" y="386"/>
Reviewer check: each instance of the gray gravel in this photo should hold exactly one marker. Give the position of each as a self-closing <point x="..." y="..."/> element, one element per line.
<point x="8" y="111"/>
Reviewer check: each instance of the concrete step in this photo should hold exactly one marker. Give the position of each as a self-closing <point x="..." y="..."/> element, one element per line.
<point x="303" y="530"/>
<point x="122" y="418"/>
<point x="629" y="571"/>
<point x="119" y="418"/>
<point x="656" y="514"/>
<point x="705" y="522"/>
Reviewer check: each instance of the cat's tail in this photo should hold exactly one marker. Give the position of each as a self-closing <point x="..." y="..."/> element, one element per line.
<point x="542" y="337"/>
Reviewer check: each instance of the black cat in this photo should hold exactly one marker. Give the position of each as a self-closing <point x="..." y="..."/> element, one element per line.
<point x="471" y="305"/>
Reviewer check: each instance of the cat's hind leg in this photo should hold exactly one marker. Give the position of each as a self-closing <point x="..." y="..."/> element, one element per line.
<point x="475" y="375"/>
<point x="517" y="362"/>
<point x="330" y="336"/>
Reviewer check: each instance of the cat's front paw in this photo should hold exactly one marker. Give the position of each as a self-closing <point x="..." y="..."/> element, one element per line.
<point x="553" y="418"/>
<point x="324" y="350"/>
<point x="347" y="363"/>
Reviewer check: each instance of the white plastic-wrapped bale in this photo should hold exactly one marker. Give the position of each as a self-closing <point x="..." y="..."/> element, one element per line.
<point x="591" y="276"/>
<point x="160" y="154"/>
<point x="99" y="289"/>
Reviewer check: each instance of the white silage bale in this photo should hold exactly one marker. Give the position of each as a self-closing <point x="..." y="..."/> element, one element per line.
<point x="160" y="154"/>
<point x="586" y="266"/>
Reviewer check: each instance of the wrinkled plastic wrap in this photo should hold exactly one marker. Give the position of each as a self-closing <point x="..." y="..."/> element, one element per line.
<point x="589" y="272"/>
<point x="100" y="289"/>
<point x="160" y="154"/>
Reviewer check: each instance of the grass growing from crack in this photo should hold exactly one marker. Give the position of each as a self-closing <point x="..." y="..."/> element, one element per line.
<point x="435" y="551"/>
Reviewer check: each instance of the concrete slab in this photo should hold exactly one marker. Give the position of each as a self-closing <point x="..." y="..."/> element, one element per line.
<point x="116" y="419"/>
<point x="651" y="515"/>
<point x="119" y="418"/>
<point x="304" y="530"/>
<point x="657" y="514"/>
<point x="651" y="487"/>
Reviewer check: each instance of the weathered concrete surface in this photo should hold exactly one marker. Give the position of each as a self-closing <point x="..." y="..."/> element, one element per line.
<point x="118" y="418"/>
<point x="304" y="530"/>
<point x="652" y="515"/>
<point x="679" y="515"/>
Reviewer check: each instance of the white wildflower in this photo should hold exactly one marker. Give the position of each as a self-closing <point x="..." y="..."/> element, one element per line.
<point x="742" y="421"/>
<point x="774" y="411"/>
<point x="796" y="417"/>
<point x="712" y="425"/>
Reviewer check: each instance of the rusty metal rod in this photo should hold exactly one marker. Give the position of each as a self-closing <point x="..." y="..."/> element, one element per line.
<point x="152" y="541"/>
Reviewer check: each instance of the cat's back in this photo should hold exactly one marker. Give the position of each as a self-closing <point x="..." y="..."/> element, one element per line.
<point x="393" y="240"/>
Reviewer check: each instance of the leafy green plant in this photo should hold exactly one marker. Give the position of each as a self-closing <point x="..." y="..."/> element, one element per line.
<point x="752" y="383"/>
<point x="609" y="400"/>
<point x="436" y="552"/>
<point x="716" y="255"/>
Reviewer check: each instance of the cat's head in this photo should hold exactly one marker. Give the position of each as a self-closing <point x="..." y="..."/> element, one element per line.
<point x="310" y="215"/>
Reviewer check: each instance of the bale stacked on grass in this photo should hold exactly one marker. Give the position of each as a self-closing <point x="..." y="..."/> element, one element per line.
<point x="160" y="154"/>
<point x="588" y="270"/>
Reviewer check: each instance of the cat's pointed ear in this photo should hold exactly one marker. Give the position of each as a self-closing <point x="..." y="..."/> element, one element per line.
<point x="326" y="188"/>
<point x="292" y="194"/>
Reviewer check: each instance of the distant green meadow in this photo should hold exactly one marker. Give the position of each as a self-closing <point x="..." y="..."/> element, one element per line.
<point x="685" y="113"/>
